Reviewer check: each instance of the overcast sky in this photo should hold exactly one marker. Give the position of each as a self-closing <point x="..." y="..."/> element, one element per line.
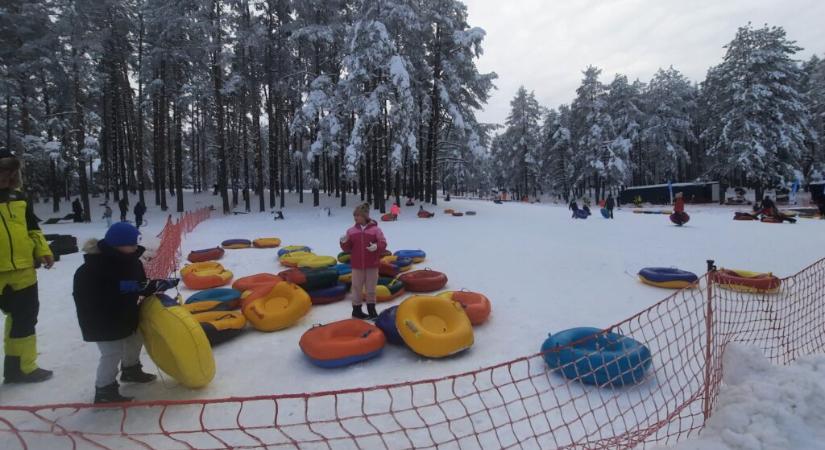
<point x="546" y="44"/>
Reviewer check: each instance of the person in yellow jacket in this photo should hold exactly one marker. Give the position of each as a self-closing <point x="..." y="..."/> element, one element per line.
<point x="22" y="245"/>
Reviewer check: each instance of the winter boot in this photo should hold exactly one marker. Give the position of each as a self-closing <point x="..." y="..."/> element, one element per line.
<point x="371" y="313"/>
<point x="13" y="374"/>
<point x="135" y="374"/>
<point x="110" y="394"/>
<point x="357" y="312"/>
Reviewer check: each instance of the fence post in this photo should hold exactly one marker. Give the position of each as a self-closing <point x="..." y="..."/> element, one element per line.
<point x="706" y="403"/>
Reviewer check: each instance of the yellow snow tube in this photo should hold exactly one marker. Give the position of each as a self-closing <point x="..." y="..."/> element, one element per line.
<point x="317" y="262"/>
<point x="292" y="259"/>
<point x="272" y="308"/>
<point x="176" y="343"/>
<point x="434" y="327"/>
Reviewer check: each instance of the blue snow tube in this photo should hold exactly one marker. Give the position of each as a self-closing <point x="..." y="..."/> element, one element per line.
<point x="596" y="357"/>
<point x="416" y="256"/>
<point x="581" y="214"/>
<point x="386" y="322"/>
<point x="605" y="213"/>
<point x="293" y="248"/>
<point x="224" y="295"/>
<point x="331" y="294"/>
<point x="667" y="277"/>
<point x="343" y="269"/>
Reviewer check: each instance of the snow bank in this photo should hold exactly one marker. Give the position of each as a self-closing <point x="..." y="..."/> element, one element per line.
<point x="765" y="407"/>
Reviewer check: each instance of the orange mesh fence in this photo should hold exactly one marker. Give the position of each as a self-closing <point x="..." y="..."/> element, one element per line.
<point x="516" y="404"/>
<point x="165" y="260"/>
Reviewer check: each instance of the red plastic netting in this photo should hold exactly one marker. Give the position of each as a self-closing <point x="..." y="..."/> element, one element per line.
<point x="165" y="260"/>
<point x="515" y="404"/>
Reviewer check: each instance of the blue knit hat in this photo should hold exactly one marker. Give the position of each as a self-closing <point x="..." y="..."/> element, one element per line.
<point x="122" y="233"/>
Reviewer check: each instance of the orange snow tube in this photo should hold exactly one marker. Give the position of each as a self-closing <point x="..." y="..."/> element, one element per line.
<point x="477" y="306"/>
<point x="747" y="281"/>
<point x="270" y="242"/>
<point x="342" y="343"/>
<point x="205" y="275"/>
<point x="257" y="280"/>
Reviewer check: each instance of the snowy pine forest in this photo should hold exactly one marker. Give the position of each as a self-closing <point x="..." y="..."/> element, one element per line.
<point x="255" y="98"/>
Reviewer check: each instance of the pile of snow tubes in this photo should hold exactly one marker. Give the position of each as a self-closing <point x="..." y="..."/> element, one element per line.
<point x="176" y="342"/>
<point x="311" y="279"/>
<point x="293" y="259"/>
<point x="423" y="280"/>
<point x="388" y="289"/>
<point x="433" y="326"/>
<point x="342" y="343"/>
<point x="317" y="262"/>
<point x="205" y="275"/>
<point x="276" y="307"/>
<point x="668" y="277"/>
<point x="293" y="248"/>
<point x="391" y="266"/>
<point x="344" y="272"/>
<point x="386" y="322"/>
<point x="221" y="326"/>
<point x="257" y="280"/>
<point x="596" y="357"/>
<point x="236" y="243"/>
<point x="477" y="306"/>
<point x="417" y="256"/>
<point x="679" y="218"/>
<point x="344" y="257"/>
<point x="747" y="281"/>
<point x="271" y="242"/>
<point x="332" y="294"/>
<point x="207" y="254"/>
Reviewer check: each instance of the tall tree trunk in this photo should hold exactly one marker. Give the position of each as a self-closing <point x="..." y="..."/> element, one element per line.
<point x="140" y="151"/>
<point x="80" y="137"/>
<point x="217" y="78"/>
<point x="178" y="112"/>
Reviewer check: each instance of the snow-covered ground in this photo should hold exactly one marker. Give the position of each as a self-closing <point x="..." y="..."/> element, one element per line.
<point x="543" y="272"/>
<point x="766" y="407"/>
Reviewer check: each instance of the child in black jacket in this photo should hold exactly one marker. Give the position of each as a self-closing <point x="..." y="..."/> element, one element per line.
<point x="107" y="290"/>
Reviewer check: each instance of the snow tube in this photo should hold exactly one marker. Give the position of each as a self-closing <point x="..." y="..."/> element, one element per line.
<point x="344" y="273"/>
<point x="458" y="214"/>
<point x="746" y="281"/>
<point x="580" y="214"/>
<point x="680" y="218"/>
<point x="423" y="280"/>
<point x="293" y="248"/>
<point x="208" y="254"/>
<point x="317" y="262"/>
<point x="391" y="266"/>
<point x="209" y="306"/>
<point x="223" y="295"/>
<point x="433" y="326"/>
<point x="253" y="281"/>
<point x="387" y="289"/>
<point x="476" y="306"/>
<point x="771" y="219"/>
<point x="176" y="343"/>
<point x="668" y="277"/>
<point x="236" y="243"/>
<point x="744" y="216"/>
<point x="344" y="257"/>
<point x="275" y="308"/>
<point x="386" y="322"/>
<point x="332" y="294"/>
<point x="449" y="211"/>
<point x="342" y="343"/>
<point x="596" y="357"/>
<point x="271" y="242"/>
<point x="425" y="215"/>
<point x="389" y="218"/>
<point x="292" y="259"/>
<point x="221" y="326"/>
<point x="311" y="279"/>
<point x="605" y="213"/>
<point x="205" y="275"/>
<point x="470" y="213"/>
<point x="417" y="256"/>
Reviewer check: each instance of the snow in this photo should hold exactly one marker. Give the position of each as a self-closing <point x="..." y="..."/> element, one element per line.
<point x="543" y="272"/>
<point x="766" y="407"/>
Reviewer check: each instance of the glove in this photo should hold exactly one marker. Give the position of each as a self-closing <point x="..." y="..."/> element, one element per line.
<point x="372" y="247"/>
<point x="154" y="286"/>
<point x="344" y="238"/>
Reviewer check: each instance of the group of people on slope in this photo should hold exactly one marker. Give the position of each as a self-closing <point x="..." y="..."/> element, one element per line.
<point x="123" y="204"/>
<point x="578" y="213"/>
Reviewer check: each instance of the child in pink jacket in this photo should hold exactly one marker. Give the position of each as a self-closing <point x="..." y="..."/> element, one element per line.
<point x="365" y="243"/>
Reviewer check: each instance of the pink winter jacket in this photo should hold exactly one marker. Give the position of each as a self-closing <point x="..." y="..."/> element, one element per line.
<point x="358" y="239"/>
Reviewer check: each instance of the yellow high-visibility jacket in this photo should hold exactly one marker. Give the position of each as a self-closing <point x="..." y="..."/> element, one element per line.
<point x="21" y="240"/>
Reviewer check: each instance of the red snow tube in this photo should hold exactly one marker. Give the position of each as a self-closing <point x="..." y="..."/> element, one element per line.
<point x="680" y="218"/>
<point x="423" y="280"/>
<point x="743" y="216"/>
<point x="253" y="281"/>
<point x="389" y="217"/>
<point x="425" y="214"/>
<point x="771" y="219"/>
<point x="747" y="281"/>
<point x="208" y="254"/>
<point x="458" y="214"/>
